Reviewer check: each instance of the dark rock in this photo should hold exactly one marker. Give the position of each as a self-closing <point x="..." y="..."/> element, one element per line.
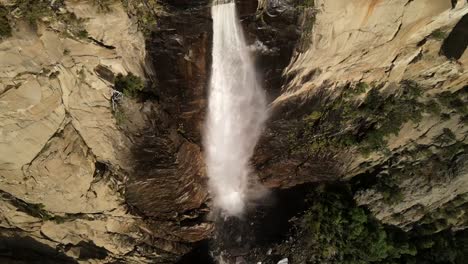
<point x="277" y="164"/>
<point x="167" y="184"/>
<point x="105" y="73"/>
<point x="179" y="49"/>
<point x="17" y="249"/>
<point x="273" y="32"/>
<point x="455" y="44"/>
<point x="88" y="250"/>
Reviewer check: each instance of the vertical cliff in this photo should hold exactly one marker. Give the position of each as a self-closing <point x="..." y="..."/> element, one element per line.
<point x="94" y="164"/>
<point x="374" y="97"/>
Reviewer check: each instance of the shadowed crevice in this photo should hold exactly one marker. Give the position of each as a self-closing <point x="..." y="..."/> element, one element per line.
<point x="455" y="44"/>
<point x="18" y="249"/>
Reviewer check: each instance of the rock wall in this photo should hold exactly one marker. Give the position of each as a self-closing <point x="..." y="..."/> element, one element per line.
<point x="75" y="177"/>
<point x="321" y="122"/>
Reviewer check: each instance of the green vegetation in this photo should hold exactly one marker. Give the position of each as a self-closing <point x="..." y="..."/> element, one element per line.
<point x="130" y="85"/>
<point x="119" y="115"/>
<point x="181" y="129"/>
<point x="82" y="74"/>
<point x="83" y="34"/>
<point x="338" y="231"/>
<point x="5" y="28"/>
<point x="433" y="107"/>
<point x="446" y="137"/>
<point x="364" y="123"/>
<point x="314" y="116"/>
<point x="445" y="247"/>
<point x="103" y="5"/>
<point x="74" y="26"/>
<point x="361" y="87"/>
<point x="438" y="34"/>
<point x="433" y="164"/>
<point x="464" y="119"/>
<point x="335" y="230"/>
<point x="457" y="102"/>
<point x="37" y="210"/>
<point x="306" y="3"/>
<point x="33" y="10"/>
<point x="435" y="241"/>
<point x="389" y="114"/>
<point x="145" y="11"/>
<point x="445" y="217"/>
<point x="308" y="20"/>
<point x="387" y="185"/>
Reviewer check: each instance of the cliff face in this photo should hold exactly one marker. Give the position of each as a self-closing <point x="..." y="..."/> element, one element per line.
<point x="81" y="170"/>
<point x="372" y="99"/>
<point x="369" y="92"/>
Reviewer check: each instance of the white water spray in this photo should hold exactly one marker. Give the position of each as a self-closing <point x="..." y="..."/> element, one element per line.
<point x="236" y="112"/>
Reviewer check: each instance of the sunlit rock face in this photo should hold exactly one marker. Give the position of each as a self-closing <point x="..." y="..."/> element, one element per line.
<point x="378" y="45"/>
<point x="59" y="139"/>
<point x="71" y="171"/>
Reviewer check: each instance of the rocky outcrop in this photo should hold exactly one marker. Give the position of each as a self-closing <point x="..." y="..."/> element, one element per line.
<point x="321" y="128"/>
<point x="94" y="176"/>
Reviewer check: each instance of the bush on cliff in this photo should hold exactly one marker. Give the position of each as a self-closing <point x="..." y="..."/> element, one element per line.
<point x="33" y="10"/>
<point x="130" y="85"/>
<point x="341" y="232"/>
<point x="5" y="28"/>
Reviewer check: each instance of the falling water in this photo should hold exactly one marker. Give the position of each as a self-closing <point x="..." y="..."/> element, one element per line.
<point x="236" y="113"/>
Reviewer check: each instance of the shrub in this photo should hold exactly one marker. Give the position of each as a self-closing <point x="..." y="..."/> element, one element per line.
<point x="445" y="116"/>
<point x="130" y="85"/>
<point x="389" y="114"/>
<point x="335" y="230"/>
<point x="433" y="107"/>
<point x="5" y="28"/>
<point x="314" y="116"/>
<point x="446" y="137"/>
<point x="443" y="247"/>
<point x="388" y="187"/>
<point x="33" y="10"/>
<point x="361" y="87"/>
<point x="82" y="34"/>
<point x="454" y="101"/>
<point x="146" y="13"/>
<point x="103" y="5"/>
<point x="348" y="122"/>
<point x="438" y="34"/>
<point x="338" y="231"/>
<point x="119" y="116"/>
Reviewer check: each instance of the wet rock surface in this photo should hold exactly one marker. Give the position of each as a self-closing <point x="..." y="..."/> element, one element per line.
<point x="273" y="31"/>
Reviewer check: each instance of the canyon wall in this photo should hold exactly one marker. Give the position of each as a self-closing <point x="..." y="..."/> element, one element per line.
<point x="84" y="170"/>
<point x="368" y="92"/>
<point x="370" y="96"/>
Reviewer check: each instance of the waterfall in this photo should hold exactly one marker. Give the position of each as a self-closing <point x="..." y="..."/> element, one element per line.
<point x="236" y="112"/>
